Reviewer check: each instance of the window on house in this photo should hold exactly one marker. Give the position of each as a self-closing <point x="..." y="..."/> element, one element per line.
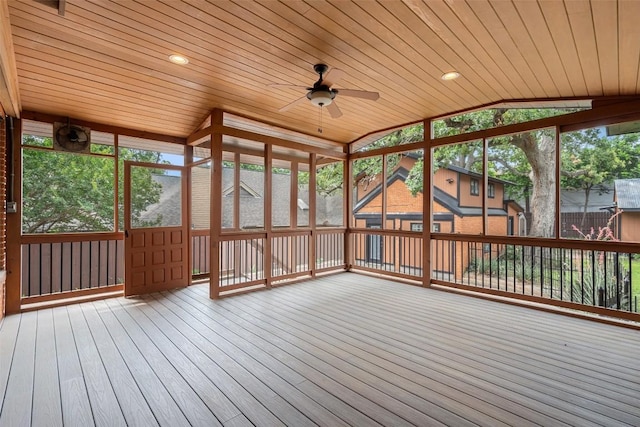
<point x="491" y="190"/>
<point x="436" y="227"/>
<point x="475" y="187"/>
<point x="416" y="226"/>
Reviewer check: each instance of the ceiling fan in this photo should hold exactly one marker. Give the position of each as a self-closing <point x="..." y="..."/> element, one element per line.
<point x="322" y="94"/>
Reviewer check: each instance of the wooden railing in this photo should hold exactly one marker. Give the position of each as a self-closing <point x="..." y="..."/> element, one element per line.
<point x="397" y="253"/>
<point x="61" y="263"/>
<point x="329" y="252"/>
<point x="288" y="254"/>
<point x="601" y="277"/>
<point x="200" y="253"/>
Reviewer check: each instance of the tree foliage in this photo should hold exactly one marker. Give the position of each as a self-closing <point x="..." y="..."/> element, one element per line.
<point x="65" y="192"/>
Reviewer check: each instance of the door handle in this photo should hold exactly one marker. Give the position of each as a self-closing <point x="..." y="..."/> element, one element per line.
<point x="126" y="233"/>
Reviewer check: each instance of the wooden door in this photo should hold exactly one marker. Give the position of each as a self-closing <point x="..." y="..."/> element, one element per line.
<point x="156" y="234"/>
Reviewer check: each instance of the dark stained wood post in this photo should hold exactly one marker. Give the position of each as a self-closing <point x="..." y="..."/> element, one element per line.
<point x="427" y="220"/>
<point x="14" y="269"/>
<point x="313" y="164"/>
<point x="215" y="226"/>
<point x="268" y="202"/>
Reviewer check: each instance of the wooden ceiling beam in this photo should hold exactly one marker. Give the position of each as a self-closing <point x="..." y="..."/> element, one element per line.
<point x="9" y="94"/>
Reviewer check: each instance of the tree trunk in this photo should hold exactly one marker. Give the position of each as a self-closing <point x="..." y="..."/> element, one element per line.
<point x="541" y="154"/>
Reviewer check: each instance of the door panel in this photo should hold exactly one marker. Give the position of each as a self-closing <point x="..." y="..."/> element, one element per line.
<point x="156" y="242"/>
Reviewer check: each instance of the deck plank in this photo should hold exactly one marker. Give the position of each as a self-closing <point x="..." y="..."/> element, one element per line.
<point x="339" y="350"/>
<point x="245" y="371"/>
<point x="47" y="407"/>
<point x="103" y="399"/>
<point x="396" y="400"/>
<point x="202" y="353"/>
<point x="350" y="393"/>
<point x="132" y="401"/>
<point x="255" y="361"/>
<point x="162" y="403"/>
<point x="18" y="398"/>
<point x="428" y="384"/>
<point x="211" y="395"/>
<point x="76" y="408"/>
<point x="8" y="338"/>
<point x="191" y="404"/>
<point x="280" y="362"/>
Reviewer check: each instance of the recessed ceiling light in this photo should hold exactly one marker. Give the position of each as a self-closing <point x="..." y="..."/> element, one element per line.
<point x="178" y="59"/>
<point x="451" y="75"/>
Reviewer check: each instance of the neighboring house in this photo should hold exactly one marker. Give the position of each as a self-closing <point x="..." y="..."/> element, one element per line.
<point x="328" y="212"/>
<point x="627" y="199"/>
<point x="457" y="208"/>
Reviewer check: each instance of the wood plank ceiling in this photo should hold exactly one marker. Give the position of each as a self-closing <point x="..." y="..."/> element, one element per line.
<point x="107" y="61"/>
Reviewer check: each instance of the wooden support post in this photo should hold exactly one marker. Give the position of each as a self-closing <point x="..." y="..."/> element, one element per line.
<point x="268" y="202"/>
<point x="293" y="200"/>
<point x="14" y="247"/>
<point x="347" y="195"/>
<point x="427" y="217"/>
<point x="215" y="225"/>
<point x="558" y="213"/>
<point x="312" y="212"/>
<point x="485" y="186"/>
<point x="187" y="219"/>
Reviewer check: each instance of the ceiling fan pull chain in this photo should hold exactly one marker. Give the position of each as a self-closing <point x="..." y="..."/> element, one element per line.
<point x="320" y="128"/>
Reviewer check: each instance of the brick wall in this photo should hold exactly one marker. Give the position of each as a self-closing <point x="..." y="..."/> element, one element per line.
<point x="3" y="216"/>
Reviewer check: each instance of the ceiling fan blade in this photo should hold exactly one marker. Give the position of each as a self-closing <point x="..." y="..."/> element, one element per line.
<point x="293" y="104"/>
<point x="333" y="110"/>
<point x="363" y="94"/>
<point x="333" y="76"/>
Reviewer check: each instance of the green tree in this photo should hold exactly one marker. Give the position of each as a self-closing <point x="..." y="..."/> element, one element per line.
<point x="329" y="178"/>
<point x="65" y="192"/>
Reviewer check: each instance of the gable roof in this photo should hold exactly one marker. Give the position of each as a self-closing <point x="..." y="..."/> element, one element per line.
<point x="627" y="194"/>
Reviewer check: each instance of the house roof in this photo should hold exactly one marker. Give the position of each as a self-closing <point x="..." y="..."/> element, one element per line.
<point x="328" y="212"/>
<point x="107" y="62"/>
<point x="168" y="207"/>
<point x="599" y="198"/>
<point x="627" y="194"/>
<point x="475" y="174"/>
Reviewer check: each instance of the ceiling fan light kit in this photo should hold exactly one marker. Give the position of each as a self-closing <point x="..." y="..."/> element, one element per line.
<point x="321" y="97"/>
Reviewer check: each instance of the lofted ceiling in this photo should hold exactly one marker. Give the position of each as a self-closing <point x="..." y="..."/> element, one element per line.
<point x="107" y="61"/>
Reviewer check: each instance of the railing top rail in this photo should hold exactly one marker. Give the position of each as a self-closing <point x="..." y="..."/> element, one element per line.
<point x="590" y="245"/>
<point x="70" y="237"/>
<point x="242" y="235"/>
<point x="200" y="232"/>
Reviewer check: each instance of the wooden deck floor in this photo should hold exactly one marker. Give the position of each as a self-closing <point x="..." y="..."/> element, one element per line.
<point x="340" y="350"/>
